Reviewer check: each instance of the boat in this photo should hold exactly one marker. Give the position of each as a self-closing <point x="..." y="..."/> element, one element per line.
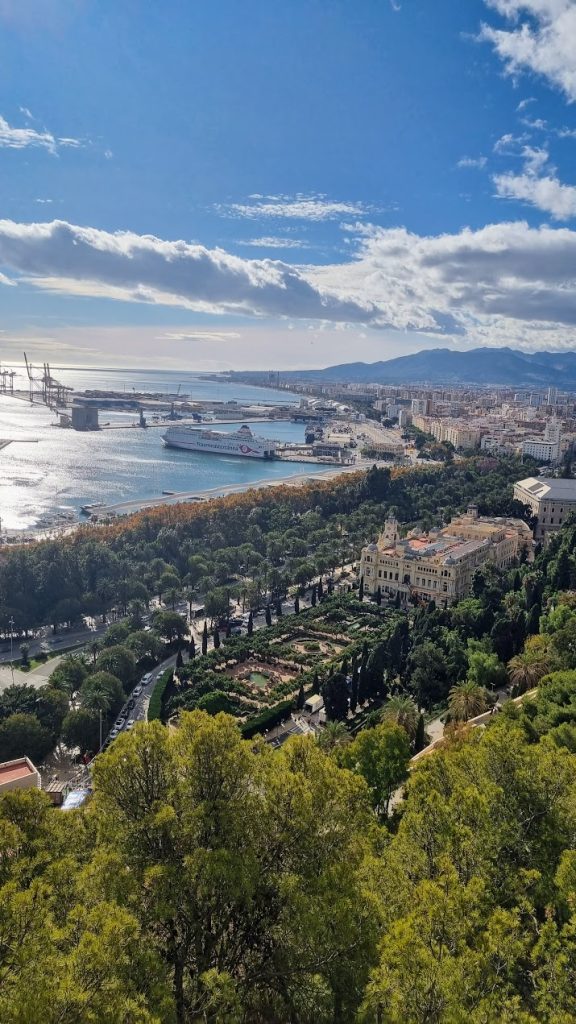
<point x="242" y="442"/>
<point x="91" y="507"/>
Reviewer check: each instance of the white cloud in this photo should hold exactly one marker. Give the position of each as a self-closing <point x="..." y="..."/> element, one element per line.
<point x="43" y="200"/>
<point x="22" y="138"/>
<point x="535" y="159"/>
<point x="473" y="161"/>
<point x="525" y="103"/>
<point x="508" y="281"/>
<point x="547" y="194"/>
<point x="199" y="336"/>
<point x="544" y="191"/>
<point x="27" y="113"/>
<point x="274" y="242"/>
<point x="141" y="268"/>
<point x="510" y="144"/>
<point x="542" y="39"/>
<point x="299" y="207"/>
<point x="510" y="278"/>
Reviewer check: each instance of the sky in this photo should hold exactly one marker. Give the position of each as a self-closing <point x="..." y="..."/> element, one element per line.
<point x="213" y="184"/>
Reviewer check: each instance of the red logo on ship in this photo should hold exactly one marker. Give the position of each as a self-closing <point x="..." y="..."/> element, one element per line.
<point x="246" y="450"/>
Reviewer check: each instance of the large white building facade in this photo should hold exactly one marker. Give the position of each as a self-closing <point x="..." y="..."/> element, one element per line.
<point x="551" y="500"/>
<point x="439" y="565"/>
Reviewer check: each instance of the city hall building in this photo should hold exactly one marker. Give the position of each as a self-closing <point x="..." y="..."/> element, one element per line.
<point x="439" y="565"/>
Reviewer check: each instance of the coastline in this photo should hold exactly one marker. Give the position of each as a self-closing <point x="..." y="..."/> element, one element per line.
<point x="128" y="508"/>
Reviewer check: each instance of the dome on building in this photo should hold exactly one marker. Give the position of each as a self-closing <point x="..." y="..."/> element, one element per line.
<point x="372" y="547"/>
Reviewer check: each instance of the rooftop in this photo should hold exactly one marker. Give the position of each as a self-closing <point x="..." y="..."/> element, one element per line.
<point x="549" y="487"/>
<point x="11" y="771"/>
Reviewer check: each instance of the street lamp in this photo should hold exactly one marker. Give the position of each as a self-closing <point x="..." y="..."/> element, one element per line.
<point x="11" y="624"/>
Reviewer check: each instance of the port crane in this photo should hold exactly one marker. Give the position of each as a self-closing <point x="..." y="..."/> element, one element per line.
<point x="44" y="389"/>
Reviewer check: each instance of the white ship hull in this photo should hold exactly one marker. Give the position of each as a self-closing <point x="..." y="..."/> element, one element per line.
<point x="241" y="443"/>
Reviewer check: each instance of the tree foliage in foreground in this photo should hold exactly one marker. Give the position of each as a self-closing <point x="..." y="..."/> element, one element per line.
<point x="214" y="880"/>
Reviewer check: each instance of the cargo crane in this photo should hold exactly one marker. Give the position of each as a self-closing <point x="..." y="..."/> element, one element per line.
<point x="44" y="389"/>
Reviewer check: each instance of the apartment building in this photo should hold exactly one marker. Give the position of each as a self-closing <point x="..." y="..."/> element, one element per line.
<point x="551" y="500"/>
<point x="439" y="565"/>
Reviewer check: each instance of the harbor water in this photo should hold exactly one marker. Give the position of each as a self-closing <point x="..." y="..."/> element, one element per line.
<point x="45" y="480"/>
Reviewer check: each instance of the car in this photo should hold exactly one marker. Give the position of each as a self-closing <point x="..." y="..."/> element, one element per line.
<point x="146" y="678"/>
<point x="112" y="734"/>
<point x="130" y="723"/>
<point x="137" y="691"/>
<point x="119" y="723"/>
<point x="235" y="620"/>
<point x="235" y="630"/>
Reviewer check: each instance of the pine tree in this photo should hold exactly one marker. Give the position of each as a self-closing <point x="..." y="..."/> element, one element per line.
<point x="268" y="615"/>
<point x="301" y="698"/>
<point x="205" y="637"/>
<point x="216" y="639"/>
<point x="361" y="590"/>
<point x="250" y="626"/>
<point x="420" y="737"/>
<point x="296" y="604"/>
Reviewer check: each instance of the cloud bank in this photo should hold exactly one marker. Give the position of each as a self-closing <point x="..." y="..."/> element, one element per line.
<point x="299" y="207"/>
<point x="506" y="283"/>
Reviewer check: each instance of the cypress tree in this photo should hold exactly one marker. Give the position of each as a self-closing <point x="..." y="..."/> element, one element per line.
<point x="205" y="638"/>
<point x="313" y="598"/>
<point x="179" y="659"/>
<point x="533" y="620"/>
<point x="379" y="596"/>
<point x="216" y="639"/>
<point x="228" y="629"/>
<point x="330" y="585"/>
<point x="315" y="684"/>
<point x="354" y="690"/>
<point x="296" y="604"/>
<point x="420" y="737"/>
<point x="279" y="608"/>
<point x="344" y="669"/>
<point x="191" y="649"/>
<point x="300" y="699"/>
<point x="268" y="615"/>
<point x="397" y="600"/>
<point x="361" y="590"/>
<point x="516" y="582"/>
<point x="250" y="626"/>
<point x="363" y="683"/>
<point x="320" y="589"/>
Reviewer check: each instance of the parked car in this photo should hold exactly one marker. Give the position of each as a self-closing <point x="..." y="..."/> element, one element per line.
<point x="137" y="691"/>
<point x="130" y="723"/>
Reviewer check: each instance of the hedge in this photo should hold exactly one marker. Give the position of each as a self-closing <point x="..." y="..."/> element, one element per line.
<point x="156" y="700"/>
<point x="267" y="719"/>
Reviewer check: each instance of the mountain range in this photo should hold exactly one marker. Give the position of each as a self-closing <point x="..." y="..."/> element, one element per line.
<point x="481" y="366"/>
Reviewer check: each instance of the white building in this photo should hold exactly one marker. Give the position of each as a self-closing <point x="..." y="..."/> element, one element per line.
<point x="547" y="448"/>
<point x="550" y="499"/>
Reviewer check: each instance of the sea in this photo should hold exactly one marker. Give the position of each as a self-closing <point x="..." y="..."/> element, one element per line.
<point x="48" y="473"/>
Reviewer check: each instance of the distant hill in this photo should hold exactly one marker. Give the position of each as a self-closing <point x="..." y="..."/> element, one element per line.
<point x="503" y="366"/>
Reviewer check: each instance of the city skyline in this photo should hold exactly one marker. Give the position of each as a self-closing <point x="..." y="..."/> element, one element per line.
<point x="220" y="187"/>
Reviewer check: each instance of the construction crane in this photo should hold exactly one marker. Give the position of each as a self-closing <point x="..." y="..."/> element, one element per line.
<point x="44" y="389"/>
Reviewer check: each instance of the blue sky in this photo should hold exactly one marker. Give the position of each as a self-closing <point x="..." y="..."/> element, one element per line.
<point x="222" y="184"/>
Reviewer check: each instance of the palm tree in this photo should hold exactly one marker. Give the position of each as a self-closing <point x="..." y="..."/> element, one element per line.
<point x="526" y="670"/>
<point x="333" y="735"/>
<point x="466" y="700"/>
<point x="403" y="711"/>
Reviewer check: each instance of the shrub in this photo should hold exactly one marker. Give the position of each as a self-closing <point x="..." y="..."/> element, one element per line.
<point x="155" y="706"/>
<point x="267" y="719"/>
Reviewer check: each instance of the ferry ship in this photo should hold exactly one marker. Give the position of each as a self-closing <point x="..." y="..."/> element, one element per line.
<point x="240" y="442"/>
